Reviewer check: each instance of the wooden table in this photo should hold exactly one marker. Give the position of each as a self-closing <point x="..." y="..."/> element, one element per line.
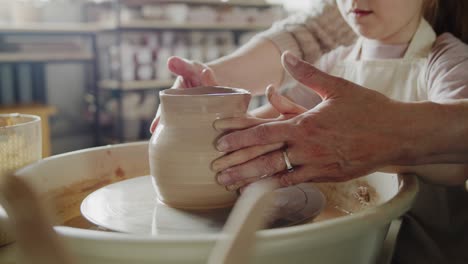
<point x="43" y="111"/>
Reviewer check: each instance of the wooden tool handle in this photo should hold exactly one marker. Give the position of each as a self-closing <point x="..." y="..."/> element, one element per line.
<point x="247" y="216"/>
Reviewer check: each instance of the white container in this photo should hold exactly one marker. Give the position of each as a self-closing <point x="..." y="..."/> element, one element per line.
<point x="129" y="72"/>
<point x="5" y="11"/>
<point x="356" y="238"/>
<point x="62" y="11"/>
<point x="145" y="72"/>
<point x="26" y="12"/>
<point x="144" y="55"/>
<point x="177" y="13"/>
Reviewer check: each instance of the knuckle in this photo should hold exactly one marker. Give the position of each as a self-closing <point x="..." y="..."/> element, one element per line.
<point x="261" y="133"/>
<point x="306" y="126"/>
<point x="291" y="179"/>
<point x="341" y="83"/>
<point x="268" y="165"/>
<point x="297" y="178"/>
<point x="308" y="73"/>
<point x="234" y="173"/>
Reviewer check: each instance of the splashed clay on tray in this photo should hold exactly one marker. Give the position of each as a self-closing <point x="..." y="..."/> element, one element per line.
<point x="182" y="147"/>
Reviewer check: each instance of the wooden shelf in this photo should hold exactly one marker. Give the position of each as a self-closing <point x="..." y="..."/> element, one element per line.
<point x="12" y="57"/>
<point x="244" y="3"/>
<point x="135" y="85"/>
<point x="50" y="28"/>
<point x="155" y="25"/>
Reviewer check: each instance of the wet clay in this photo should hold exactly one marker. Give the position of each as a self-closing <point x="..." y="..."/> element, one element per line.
<point x="346" y="198"/>
<point x="182" y="148"/>
<point x="330" y="212"/>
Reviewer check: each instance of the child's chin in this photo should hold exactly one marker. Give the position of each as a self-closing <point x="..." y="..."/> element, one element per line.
<point x="368" y="32"/>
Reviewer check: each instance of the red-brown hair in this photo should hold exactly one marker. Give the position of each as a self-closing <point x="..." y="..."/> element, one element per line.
<point x="448" y="16"/>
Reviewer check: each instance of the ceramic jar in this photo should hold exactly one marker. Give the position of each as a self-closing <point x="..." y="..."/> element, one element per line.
<point x="182" y="148"/>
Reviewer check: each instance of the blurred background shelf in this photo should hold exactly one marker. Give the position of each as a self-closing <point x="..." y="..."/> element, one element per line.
<point x="17" y="57"/>
<point x="140" y="35"/>
<point x="244" y="3"/>
<point x="102" y="63"/>
<point x="135" y="85"/>
<point x="45" y="68"/>
<point x="159" y="25"/>
<point x="50" y="28"/>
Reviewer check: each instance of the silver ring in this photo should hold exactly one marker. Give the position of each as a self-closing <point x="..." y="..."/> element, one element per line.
<point x="289" y="167"/>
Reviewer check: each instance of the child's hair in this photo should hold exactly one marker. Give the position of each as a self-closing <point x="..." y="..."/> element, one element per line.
<point x="448" y="16"/>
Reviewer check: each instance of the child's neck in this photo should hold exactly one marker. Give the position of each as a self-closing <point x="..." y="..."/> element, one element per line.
<point x="403" y="36"/>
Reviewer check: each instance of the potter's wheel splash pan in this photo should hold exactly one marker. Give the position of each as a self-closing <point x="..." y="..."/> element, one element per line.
<point x="65" y="180"/>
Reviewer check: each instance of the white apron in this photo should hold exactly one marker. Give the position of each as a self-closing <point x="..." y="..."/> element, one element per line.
<point x="401" y="79"/>
<point x="435" y="215"/>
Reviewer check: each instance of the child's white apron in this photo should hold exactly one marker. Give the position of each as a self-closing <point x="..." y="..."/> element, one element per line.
<point x="434" y="216"/>
<point x="402" y="79"/>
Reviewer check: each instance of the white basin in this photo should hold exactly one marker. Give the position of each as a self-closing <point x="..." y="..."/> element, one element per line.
<point x="355" y="238"/>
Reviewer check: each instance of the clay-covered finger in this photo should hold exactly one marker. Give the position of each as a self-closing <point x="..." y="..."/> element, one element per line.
<point x="260" y="167"/>
<point x="310" y="173"/>
<point x="186" y="69"/>
<point x="178" y="83"/>
<point x="282" y="104"/>
<point x="241" y="184"/>
<point x="243" y="155"/>
<point x="237" y="123"/>
<point x="263" y="134"/>
<point x="155" y="122"/>
<point x="296" y="176"/>
<point x="208" y="78"/>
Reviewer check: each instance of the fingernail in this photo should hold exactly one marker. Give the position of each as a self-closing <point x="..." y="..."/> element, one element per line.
<point x="269" y="91"/>
<point x="232" y="187"/>
<point x="222" y="146"/>
<point x="215" y="166"/>
<point x="218" y="125"/>
<point x="291" y="59"/>
<point x="224" y="179"/>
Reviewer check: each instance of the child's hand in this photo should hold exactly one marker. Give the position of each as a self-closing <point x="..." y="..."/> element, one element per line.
<point x="189" y="74"/>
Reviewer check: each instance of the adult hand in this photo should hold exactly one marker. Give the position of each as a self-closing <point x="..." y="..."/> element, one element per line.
<point x="352" y="132"/>
<point x="189" y="74"/>
<point x="286" y="108"/>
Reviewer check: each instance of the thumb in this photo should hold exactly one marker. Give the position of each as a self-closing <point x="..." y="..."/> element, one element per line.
<point x="323" y="84"/>
<point x="208" y="78"/>
<point x="184" y="68"/>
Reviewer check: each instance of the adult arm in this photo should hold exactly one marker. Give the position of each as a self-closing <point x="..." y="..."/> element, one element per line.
<point x="337" y="140"/>
<point x="446" y="79"/>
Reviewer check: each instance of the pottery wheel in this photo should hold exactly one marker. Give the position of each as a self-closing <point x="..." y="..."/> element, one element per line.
<point x="131" y="206"/>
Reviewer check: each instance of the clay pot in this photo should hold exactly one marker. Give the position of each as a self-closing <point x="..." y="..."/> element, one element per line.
<point x="182" y="148"/>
